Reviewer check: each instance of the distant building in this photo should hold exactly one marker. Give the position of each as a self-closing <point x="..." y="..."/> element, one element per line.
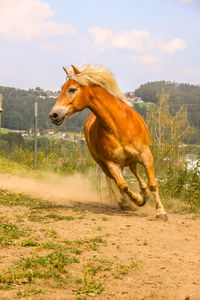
<point x="51" y="94"/>
<point x="129" y="95"/>
<point x="68" y="137"/>
<point x="80" y="139"/>
<point x="138" y="100"/>
<point x="42" y="97"/>
<point x="63" y="135"/>
<point x="48" y="131"/>
<point x="131" y="98"/>
<point x="31" y="131"/>
<point x="25" y="135"/>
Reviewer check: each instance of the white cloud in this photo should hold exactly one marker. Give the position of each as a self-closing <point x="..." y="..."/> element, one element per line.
<point x="135" y="40"/>
<point x="174" y="45"/>
<point x="24" y="20"/>
<point x="100" y="35"/>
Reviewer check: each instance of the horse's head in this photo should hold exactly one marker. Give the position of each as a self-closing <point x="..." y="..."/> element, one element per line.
<point x="72" y="98"/>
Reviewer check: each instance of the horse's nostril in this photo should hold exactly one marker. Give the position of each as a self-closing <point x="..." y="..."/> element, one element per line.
<point x="54" y="116"/>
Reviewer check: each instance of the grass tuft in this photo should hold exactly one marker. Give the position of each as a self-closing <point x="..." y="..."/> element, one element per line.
<point x="59" y="218"/>
<point x="9" y="232"/>
<point x="20" y="199"/>
<point x="90" y="286"/>
<point x="29" y="243"/>
<point x="51" y="266"/>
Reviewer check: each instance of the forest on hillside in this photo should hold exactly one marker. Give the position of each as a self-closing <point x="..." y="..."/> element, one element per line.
<point x="18" y="112"/>
<point x="19" y="105"/>
<point x="180" y="94"/>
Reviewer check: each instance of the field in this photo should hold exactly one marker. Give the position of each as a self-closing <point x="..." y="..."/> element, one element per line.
<point x="59" y="241"/>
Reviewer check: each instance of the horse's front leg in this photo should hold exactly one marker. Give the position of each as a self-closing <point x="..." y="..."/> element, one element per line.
<point x="116" y="172"/>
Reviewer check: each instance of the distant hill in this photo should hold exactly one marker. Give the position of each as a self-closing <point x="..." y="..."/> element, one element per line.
<point x="18" y="112"/>
<point x="18" y="105"/>
<point x="180" y="94"/>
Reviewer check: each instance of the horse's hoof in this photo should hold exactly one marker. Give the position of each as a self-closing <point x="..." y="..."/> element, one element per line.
<point x="142" y="203"/>
<point x="162" y="217"/>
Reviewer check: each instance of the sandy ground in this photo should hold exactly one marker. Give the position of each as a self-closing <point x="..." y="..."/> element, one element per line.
<point x="167" y="253"/>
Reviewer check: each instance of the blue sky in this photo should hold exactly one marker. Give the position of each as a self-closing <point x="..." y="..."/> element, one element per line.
<point x="138" y="41"/>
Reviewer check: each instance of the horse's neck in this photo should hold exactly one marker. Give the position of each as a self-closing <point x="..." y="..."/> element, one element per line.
<point x="105" y="107"/>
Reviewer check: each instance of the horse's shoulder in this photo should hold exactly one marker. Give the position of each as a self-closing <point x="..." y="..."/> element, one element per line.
<point x="89" y="121"/>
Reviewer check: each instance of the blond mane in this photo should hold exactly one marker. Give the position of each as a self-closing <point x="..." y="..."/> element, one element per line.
<point x="96" y="76"/>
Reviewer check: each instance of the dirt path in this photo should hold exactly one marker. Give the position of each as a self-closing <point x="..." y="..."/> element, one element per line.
<point x="167" y="253"/>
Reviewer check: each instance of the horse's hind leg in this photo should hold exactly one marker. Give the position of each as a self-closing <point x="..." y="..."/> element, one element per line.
<point x="116" y="172"/>
<point x="147" y="161"/>
<point x="143" y="187"/>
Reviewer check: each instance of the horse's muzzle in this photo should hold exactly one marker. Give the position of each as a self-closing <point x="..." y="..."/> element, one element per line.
<point x="58" y="114"/>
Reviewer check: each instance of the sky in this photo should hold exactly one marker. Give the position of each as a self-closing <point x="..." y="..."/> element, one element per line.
<point x="138" y="41"/>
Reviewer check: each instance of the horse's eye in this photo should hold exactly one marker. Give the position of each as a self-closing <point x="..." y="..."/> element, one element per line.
<point x="72" y="90"/>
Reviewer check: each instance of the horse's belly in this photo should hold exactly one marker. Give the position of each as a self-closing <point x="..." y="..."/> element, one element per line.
<point x="122" y="157"/>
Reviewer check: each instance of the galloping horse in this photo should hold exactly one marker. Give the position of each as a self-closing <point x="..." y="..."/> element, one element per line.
<point x="116" y="134"/>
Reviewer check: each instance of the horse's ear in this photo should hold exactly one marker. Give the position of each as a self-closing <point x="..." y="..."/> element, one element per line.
<point x="65" y="70"/>
<point x="76" y="71"/>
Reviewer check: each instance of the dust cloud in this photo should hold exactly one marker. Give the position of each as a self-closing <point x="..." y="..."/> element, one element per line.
<point x="72" y="190"/>
<point x="54" y="188"/>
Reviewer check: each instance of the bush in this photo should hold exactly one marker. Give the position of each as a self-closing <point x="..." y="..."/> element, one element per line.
<point x="13" y="138"/>
<point x="51" y="151"/>
<point x="4" y="146"/>
<point x="180" y="182"/>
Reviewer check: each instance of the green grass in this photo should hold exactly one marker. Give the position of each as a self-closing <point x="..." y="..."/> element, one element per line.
<point x="49" y="233"/>
<point x="35" y="217"/>
<point x="28" y="269"/>
<point x="29" y="243"/>
<point x="59" y="218"/>
<point x="12" y="167"/>
<point x="76" y="251"/>
<point x="105" y="219"/>
<point x="20" y="199"/>
<point x="50" y="245"/>
<point x="99" y="228"/>
<point x="9" y="232"/>
<point x="89" y="244"/>
<point x="48" y="261"/>
<point x="29" y="292"/>
<point x="90" y="286"/>
<point x="124" y="268"/>
<point x="54" y="266"/>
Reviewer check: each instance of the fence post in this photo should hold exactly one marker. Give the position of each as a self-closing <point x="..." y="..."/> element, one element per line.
<point x="1" y="110"/>
<point x="35" y="134"/>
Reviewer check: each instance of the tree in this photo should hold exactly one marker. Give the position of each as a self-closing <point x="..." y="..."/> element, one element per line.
<point x="180" y="94"/>
<point x="167" y="130"/>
